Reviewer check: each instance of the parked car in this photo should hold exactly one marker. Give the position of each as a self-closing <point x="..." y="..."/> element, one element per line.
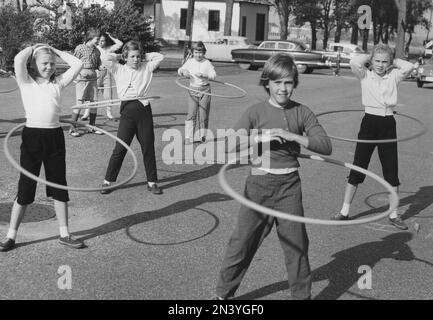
<point x="220" y="50"/>
<point x="347" y="51"/>
<point x="254" y="58"/>
<point x="424" y="73"/>
<point x="427" y="52"/>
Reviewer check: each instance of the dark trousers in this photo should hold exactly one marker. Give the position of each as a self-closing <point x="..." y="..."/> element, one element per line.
<point x="279" y="192"/>
<point x="135" y="120"/>
<point x="376" y="128"/>
<point x="42" y="146"/>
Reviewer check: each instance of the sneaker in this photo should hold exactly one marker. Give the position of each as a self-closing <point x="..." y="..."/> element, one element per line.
<point x="85" y="116"/>
<point x="398" y="223"/>
<point x="90" y="130"/>
<point x="203" y="139"/>
<point x="72" y="242"/>
<point x="106" y="191"/>
<point x="339" y="217"/>
<point x="74" y="133"/>
<point x="9" y="244"/>
<point x="155" y="189"/>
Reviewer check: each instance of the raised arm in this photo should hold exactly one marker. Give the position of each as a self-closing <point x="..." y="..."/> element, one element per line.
<point x="153" y="60"/>
<point x="117" y="44"/>
<point x="404" y="68"/>
<point x="75" y="67"/>
<point x="20" y="64"/>
<point x="357" y="64"/>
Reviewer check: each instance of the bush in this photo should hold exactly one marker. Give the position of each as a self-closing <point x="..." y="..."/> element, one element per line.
<point x="16" y="31"/>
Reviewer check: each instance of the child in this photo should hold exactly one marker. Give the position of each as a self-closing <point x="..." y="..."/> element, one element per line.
<point x="86" y="87"/>
<point x="133" y="80"/>
<point x="42" y="137"/>
<point x="379" y="98"/>
<point x="107" y="46"/>
<point x="278" y="185"/>
<point x="200" y="71"/>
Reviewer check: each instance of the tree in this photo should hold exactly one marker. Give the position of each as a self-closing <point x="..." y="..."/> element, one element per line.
<point x="325" y="22"/>
<point x="16" y="30"/>
<point x="401" y="26"/>
<point x="229" y="16"/>
<point x="308" y="11"/>
<point x="283" y="8"/>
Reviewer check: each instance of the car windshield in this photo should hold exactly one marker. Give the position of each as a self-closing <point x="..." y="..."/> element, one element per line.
<point x="247" y="41"/>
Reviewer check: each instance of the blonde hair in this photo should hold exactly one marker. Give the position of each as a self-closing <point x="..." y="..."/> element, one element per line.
<point x="383" y="48"/>
<point x="32" y="61"/>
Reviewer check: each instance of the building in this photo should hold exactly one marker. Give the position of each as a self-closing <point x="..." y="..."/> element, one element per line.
<point x="250" y="19"/>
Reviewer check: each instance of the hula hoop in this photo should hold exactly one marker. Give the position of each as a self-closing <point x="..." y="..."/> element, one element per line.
<point x="108" y="103"/>
<point x="282" y="215"/>
<point x="416" y="135"/>
<point x="59" y="186"/>
<point x="8" y="76"/>
<point x="243" y="92"/>
<point x="103" y="88"/>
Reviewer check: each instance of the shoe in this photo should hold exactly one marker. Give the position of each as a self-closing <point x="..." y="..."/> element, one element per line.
<point x="203" y="139"/>
<point x="106" y="191"/>
<point x="155" y="189"/>
<point x="398" y="223"/>
<point x="340" y="217"/>
<point x="72" y="242"/>
<point x="9" y="244"/>
<point x="110" y="116"/>
<point x="85" y="116"/>
<point x="74" y="133"/>
<point x="90" y="130"/>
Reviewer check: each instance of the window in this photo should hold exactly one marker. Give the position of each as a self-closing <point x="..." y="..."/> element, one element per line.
<point x="268" y="45"/>
<point x="183" y="14"/>
<point x="214" y="20"/>
<point x="244" y="26"/>
<point x="286" y="46"/>
<point x="233" y="42"/>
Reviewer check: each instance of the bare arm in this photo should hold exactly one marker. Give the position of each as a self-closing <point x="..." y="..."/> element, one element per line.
<point x="117" y="44"/>
<point x="357" y="65"/>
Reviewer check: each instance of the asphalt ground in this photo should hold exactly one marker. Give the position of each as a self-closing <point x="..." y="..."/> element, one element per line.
<point x="170" y="247"/>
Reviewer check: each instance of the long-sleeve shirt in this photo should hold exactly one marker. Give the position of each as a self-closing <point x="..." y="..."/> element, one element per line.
<point x="295" y="118"/>
<point x="379" y="94"/>
<point x="193" y="67"/>
<point x="131" y="82"/>
<point x="42" y="98"/>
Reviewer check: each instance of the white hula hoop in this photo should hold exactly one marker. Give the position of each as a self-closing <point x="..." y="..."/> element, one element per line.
<point x="243" y="92"/>
<point x="251" y="204"/>
<point x="416" y="135"/>
<point x="68" y="188"/>
<point x="108" y="103"/>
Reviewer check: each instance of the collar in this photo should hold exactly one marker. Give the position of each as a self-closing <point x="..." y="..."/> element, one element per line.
<point x="287" y="106"/>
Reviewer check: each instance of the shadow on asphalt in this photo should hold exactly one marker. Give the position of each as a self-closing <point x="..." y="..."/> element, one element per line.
<point x="417" y="202"/>
<point x="141" y="217"/>
<point x="342" y="271"/>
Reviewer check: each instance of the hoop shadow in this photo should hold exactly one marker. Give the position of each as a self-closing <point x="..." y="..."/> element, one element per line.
<point x="141" y="217"/>
<point x="418" y="201"/>
<point x="342" y="271"/>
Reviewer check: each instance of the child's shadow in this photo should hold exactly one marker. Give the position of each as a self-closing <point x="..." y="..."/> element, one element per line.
<point x="342" y="272"/>
<point x="419" y="201"/>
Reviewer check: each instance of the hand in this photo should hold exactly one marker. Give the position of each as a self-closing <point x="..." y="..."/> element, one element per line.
<point x="185" y="73"/>
<point x="266" y="138"/>
<point x="284" y="134"/>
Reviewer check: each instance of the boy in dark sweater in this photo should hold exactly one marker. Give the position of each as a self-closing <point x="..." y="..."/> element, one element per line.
<point x="276" y="183"/>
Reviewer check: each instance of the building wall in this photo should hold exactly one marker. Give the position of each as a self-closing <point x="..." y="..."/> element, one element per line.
<point x="167" y="26"/>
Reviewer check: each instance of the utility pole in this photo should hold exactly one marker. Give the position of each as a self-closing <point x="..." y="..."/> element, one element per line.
<point x="189" y="25"/>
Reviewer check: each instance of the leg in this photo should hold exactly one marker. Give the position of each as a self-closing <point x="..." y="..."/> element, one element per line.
<point x="293" y="237"/>
<point x="191" y="117"/>
<point x="146" y="137"/>
<point x="126" y="133"/>
<point x="250" y="231"/>
<point x="204" y="110"/>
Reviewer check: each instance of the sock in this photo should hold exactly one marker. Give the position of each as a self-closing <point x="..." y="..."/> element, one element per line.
<point x="64" y="232"/>
<point x="92" y="119"/>
<point x="106" y="182"/>
<point x="393" y="214"/>
<point x="151" y="184"/>
<point x="74" y="117"/>
<point x="345" y="209"/>
<point x="12" y="234"/>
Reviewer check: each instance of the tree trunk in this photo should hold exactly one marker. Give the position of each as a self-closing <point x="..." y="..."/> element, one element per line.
<point x="354" y="36"/>
<point x="229" y="16"/>
<point x="283" y="17"/>
<point x="325" y="35"/>
<point x="337" y="35"/>
<point x="189" y="26"/>
<point x="401" y="23"/>
<point x="365" y="39"/>
<point x="313" y="36"/>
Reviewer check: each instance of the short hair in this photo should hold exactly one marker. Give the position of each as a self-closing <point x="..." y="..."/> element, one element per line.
<point x="131" y="45"/>
<point x="199" y="46"/>
<point x="383" y="48"/>
<point x="92" y="33"/>
<point x="279" y="66"/>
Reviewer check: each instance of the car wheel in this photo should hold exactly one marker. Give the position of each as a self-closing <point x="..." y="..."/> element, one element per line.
<point x="309" y="70"/>
<point x="245" y="66"/>
<point x="302" y="68"/>
<point x="419" y="83"/>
